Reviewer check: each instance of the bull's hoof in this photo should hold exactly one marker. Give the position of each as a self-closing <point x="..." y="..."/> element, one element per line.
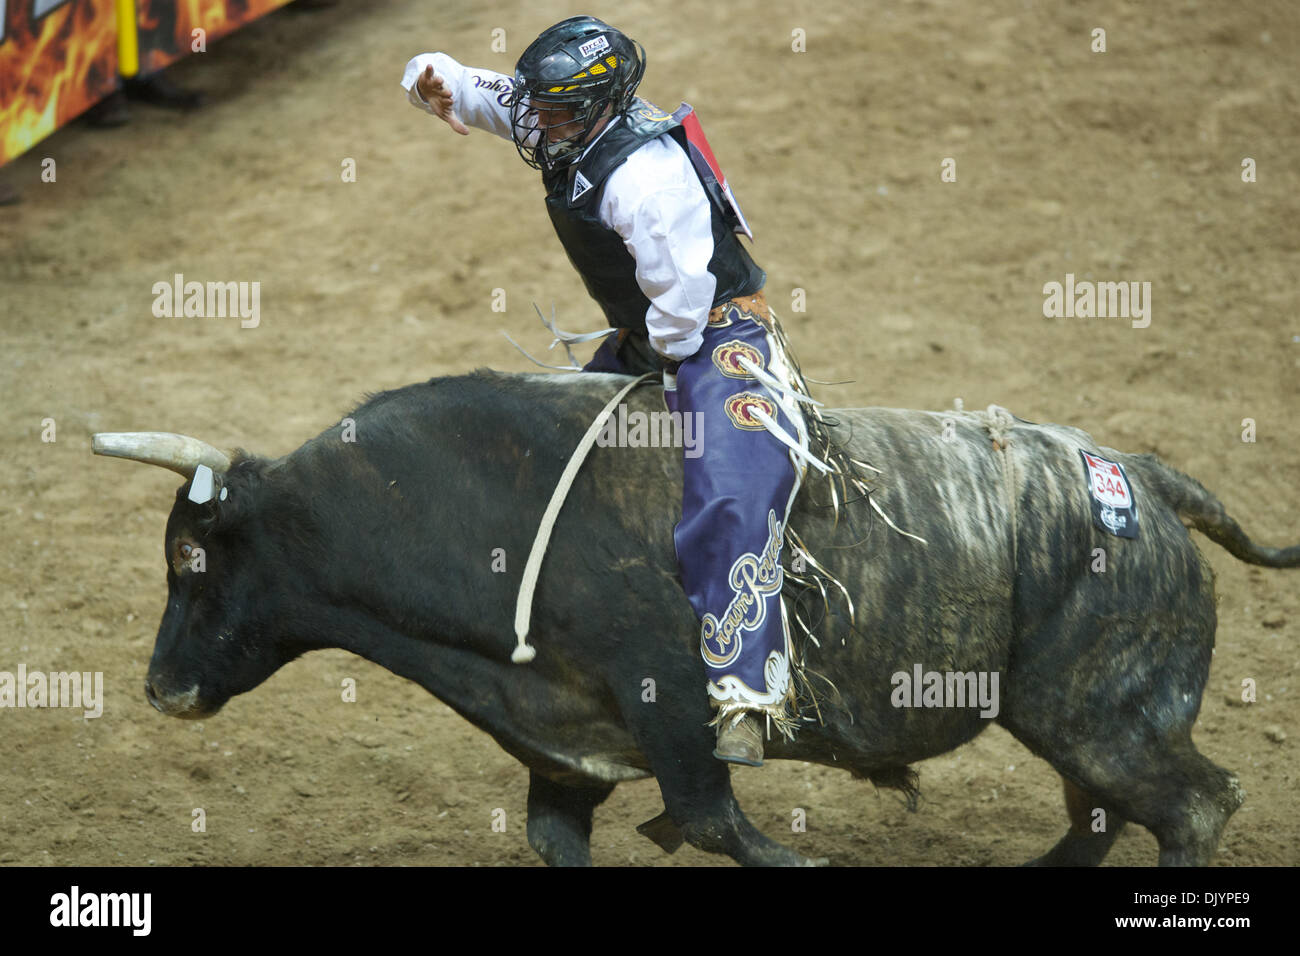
<point x="663" y="832"/>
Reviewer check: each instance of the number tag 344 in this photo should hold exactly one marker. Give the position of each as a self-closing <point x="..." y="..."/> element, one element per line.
<point x="1114" y="508"/>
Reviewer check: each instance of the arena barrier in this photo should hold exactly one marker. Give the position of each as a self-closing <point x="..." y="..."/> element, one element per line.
<point x="58" y="58"/>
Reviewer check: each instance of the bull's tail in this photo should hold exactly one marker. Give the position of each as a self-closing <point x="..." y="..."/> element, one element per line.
<point x="1199" y="509"/>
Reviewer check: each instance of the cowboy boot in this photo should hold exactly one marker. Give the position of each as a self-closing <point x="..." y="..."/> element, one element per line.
<point x="740" y="740"/>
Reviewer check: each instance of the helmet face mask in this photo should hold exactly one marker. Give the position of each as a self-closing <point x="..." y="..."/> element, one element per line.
<point x="562" y="129"/>
<point x="575" y="75"/>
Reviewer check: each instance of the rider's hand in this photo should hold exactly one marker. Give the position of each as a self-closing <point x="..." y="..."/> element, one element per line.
<point x="429" y="86"/>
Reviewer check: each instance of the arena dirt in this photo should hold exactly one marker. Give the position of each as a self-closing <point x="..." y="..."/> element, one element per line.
<point x="1122" y="165"/>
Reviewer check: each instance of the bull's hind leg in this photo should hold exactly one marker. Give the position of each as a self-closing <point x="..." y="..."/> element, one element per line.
<point x="1189" y="807"/>
<point x="1180" y="796"/>
<point x="1136" y="758"/>
<point x="1163" y="784"/>
<point x="559" y="819"/>
<point x="1107" y="686"/>
<point x="1091" y="833"/>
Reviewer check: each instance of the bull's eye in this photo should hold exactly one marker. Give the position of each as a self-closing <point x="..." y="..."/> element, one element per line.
<point x="186" y="554"/>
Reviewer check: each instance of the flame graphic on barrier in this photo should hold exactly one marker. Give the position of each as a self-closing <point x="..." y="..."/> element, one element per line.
<point x="53" y="69"/>
<point x="167" y="26"/>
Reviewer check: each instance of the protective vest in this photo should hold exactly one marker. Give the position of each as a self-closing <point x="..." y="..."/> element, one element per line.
<point x="598" y="253"/>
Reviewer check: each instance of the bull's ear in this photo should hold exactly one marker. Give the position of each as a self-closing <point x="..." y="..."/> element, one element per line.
<point x="207" y="485"/>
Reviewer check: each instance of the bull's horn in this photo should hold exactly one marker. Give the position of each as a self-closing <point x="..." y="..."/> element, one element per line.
<point x="180" y="453"/>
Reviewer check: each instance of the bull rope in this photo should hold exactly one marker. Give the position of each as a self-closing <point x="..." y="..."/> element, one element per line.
<point x="525" y="652"/>
<point x="999" y="422"/>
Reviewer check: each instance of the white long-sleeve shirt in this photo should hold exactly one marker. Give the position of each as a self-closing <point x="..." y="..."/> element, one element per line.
<point x="653" y="200"/>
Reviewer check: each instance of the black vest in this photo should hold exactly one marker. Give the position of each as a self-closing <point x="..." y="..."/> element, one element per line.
<point x="598" y="253"/>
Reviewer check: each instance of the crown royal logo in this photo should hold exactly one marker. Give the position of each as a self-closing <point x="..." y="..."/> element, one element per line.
<point x="740" y="409"/>
<point x="727" y="358"/>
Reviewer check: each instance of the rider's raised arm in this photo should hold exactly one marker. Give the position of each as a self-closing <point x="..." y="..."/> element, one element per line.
<point x="477" y="96"/>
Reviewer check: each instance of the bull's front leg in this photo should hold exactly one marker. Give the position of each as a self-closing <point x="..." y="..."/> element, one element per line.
<point x="698" y="799"/>
<point x="559" y="819"/>
<point x="673" y="734"/>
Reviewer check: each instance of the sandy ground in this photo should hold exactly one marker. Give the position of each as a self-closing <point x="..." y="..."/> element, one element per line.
<point x="1123" y="165"/>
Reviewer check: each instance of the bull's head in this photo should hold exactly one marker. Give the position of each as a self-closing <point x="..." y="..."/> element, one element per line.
<point x="213" y="641"/>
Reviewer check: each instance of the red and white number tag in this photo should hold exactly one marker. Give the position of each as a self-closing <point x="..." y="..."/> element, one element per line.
<point x="1114" y="508"/>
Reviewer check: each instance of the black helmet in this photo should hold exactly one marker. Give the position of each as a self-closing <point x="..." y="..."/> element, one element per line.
<point x="580" y="66"/>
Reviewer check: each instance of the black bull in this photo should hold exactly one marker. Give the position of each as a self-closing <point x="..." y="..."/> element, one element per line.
<point x="386" y="544"/>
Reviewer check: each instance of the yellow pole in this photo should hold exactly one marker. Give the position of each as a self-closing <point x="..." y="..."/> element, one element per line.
<point x="128" y="39"/>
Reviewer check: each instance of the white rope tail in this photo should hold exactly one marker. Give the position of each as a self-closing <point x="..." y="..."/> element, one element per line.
<point x="525" y="652"/>
<point x="774" y="384"/>
<point x="781" y="435"/>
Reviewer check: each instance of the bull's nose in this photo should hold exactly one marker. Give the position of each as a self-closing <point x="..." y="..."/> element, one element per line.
<point x="183" y="704"/>
<point x="153" y="698"/>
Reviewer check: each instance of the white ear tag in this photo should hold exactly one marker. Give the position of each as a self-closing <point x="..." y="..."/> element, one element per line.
<point x="201" y="486"/>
